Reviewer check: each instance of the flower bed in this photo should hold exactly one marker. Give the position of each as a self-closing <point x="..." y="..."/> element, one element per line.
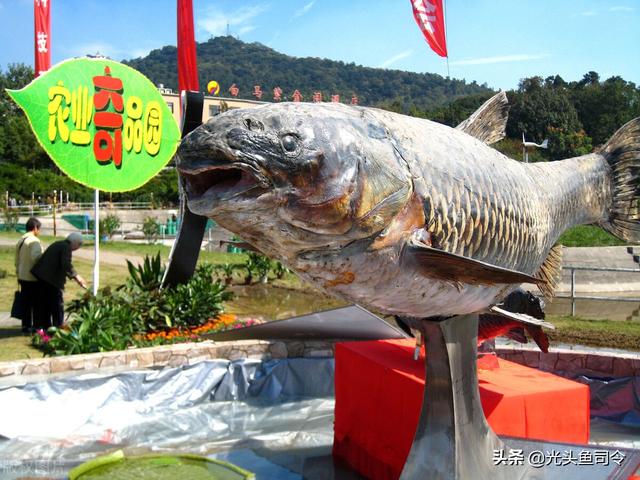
<point x="224" y="321"/>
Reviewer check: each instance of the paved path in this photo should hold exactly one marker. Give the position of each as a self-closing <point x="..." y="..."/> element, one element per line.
<point x="87" y="253"/>
<point x="6" y="320"/>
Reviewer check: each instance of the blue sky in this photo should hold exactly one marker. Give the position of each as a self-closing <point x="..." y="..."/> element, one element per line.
<point x="497" y="42"/>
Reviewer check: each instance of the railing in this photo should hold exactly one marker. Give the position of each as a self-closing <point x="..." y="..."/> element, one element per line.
<point x="47" y="208"/>
<point x="572" y="295"/>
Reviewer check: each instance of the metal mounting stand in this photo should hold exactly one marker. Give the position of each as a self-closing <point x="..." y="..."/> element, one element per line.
<point x="453" y="439"/>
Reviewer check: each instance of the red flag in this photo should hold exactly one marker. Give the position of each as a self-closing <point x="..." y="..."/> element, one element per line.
<point x="187" y="63"/>
<point x="42" y="31"/>
<point x="430" y="18"/>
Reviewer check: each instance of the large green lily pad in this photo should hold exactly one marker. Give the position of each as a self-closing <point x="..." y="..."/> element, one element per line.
<point x="103" y="123"/>
<point x="157" y="467"/>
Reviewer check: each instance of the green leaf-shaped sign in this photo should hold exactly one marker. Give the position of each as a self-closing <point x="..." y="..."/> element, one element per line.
<point x="103" y="123"/>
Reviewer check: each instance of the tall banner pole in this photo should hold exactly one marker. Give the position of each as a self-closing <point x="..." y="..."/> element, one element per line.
<point x="186" y="248"/>
<point x="96" y="229"/>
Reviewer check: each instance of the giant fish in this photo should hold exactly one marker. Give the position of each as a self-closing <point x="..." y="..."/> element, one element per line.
<point x="400" y="214"/>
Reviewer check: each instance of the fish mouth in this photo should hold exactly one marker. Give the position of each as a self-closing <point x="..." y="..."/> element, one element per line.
<point x="208" y="187"/>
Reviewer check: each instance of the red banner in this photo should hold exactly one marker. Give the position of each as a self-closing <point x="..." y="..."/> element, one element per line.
<point x="187" y="63"/>
<point x="42" y="19"/>
<point x="429" y="15"/>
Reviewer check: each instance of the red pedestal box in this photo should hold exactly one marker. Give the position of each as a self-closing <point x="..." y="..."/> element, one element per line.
<point x="379" y="389"/>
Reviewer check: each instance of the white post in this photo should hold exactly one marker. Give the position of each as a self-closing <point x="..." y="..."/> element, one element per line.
<point x="96" y="226"/>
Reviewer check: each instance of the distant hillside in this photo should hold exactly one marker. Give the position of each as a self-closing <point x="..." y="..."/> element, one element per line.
<point x="229" y="61"/>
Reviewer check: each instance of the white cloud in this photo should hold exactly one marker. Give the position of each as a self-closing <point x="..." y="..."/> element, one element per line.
<point x="395" y="58"/>
<point x="622" y="9"/>
<point x="300" y="12"/>
<point x="214" y="21"/>
<point x="246" y="29"/>
<point x="588" y="13"/>
<point x="499" y="59"/>
<point x="107" y="50"/>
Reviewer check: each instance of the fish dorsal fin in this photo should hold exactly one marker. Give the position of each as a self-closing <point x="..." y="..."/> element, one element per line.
<point x="488" y="123"/>
<point x="441" y="265"/>
<point x="550" y="272"/>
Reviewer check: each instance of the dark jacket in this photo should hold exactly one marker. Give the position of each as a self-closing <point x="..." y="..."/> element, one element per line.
<point x="55" y="264"/>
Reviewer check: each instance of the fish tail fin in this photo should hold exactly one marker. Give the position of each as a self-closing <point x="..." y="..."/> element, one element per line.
<point x="622" y="153"/>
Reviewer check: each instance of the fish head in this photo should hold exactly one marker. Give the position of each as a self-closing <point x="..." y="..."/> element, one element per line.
<point x="300" y="174"/>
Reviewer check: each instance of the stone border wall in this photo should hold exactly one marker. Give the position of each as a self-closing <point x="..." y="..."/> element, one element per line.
<point x="166" y="355"/>
<point x="565" y="362"/>
<point x="572" y="363"/>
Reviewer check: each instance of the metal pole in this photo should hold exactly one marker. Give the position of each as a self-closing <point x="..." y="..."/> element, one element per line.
<point x="96" y="227"/>
<point x="573" y="292"/>
<point x="55" y="196"/>
<point x="33" y="201"/>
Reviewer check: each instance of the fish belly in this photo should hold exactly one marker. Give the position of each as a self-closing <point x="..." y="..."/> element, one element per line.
<point x="379" y="282"/>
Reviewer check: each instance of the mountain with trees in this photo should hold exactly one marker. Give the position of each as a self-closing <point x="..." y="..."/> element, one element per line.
<point x="576" y="116"/>
<point x="230" y="61"/>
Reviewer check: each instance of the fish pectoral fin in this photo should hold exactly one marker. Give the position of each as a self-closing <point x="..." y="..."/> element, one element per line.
<point x="488" y="123"/>
<point x="532" y="325"/>
<point x="521" y="317"/>
<point x="450" y="267"/>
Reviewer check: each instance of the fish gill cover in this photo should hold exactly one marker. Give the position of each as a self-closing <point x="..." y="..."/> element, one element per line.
<point x="104" y="124"/>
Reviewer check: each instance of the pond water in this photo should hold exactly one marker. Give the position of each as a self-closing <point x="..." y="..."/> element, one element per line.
<point x="275" y="303"/>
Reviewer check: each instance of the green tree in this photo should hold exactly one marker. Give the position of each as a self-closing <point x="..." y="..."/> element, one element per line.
<point x="603" y="107"/>
<point x="568" y="144"/>
<point x="18" y="144"/>
<point x="151" y="229"/>
<point x="537" y="107"/>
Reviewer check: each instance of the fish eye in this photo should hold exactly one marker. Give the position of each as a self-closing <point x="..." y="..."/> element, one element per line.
<point x="289" y="143"/>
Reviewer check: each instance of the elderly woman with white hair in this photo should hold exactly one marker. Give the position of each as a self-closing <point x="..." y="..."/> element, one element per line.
<point x="52" y="270"/>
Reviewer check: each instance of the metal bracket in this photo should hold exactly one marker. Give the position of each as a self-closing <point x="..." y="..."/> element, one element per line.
<point x="186" y="249"/>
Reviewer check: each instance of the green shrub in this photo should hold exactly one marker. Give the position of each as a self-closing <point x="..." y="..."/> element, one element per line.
<point x="280" y="270"/>
<point x="98" y="324"/>
<point x="257" y="266"/>
<point x="110" y="225"/>
<point x="10" y="217"/>
<point x="116" y="319"/>
<point x="194" y="302"/>
<point x="227" y="270"/>
<point x="151" y="229"/>
<point x="147" y="276"/>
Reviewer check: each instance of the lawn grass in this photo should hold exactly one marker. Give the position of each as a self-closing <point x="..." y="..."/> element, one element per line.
<point x="138" y="249"/>
<point x="596" y="333"/>
<point x="589" y="236"/>
<point x="143" y="249"/>
<point x="15" y="346"/>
